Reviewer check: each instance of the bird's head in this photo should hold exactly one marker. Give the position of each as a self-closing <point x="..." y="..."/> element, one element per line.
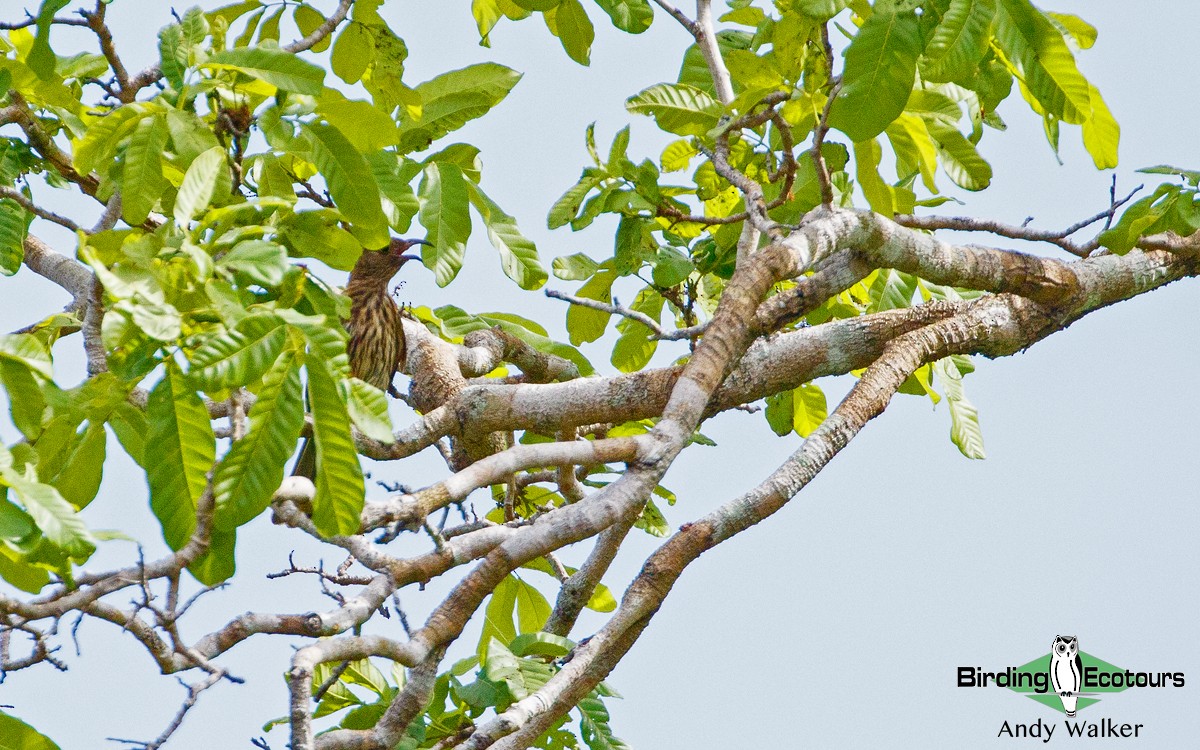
<point x="379" y="266"/>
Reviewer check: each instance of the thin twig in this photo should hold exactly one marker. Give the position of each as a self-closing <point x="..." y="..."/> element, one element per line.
<point x="18" y="197"/>
<point x="615" y="309"/>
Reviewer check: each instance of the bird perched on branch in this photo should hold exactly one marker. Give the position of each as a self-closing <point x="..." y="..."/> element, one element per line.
<point x="376" y="346"/>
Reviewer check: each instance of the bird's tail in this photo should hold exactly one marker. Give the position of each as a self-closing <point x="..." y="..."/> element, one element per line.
<point x="306" y="462"/>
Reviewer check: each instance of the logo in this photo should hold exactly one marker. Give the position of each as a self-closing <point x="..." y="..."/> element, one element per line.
<point x="1068" y="680"/>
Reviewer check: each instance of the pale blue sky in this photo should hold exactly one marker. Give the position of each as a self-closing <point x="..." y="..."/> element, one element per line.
<point x="840" y="621"/>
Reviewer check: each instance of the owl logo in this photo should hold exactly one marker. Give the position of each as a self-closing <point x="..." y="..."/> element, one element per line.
<point x="1066" y="671"/>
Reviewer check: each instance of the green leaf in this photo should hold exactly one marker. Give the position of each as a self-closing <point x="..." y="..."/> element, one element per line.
<point x="79" y="478"/>
<point x="253" y="468"/>
<point x="452" y="99"/>
<point x="13" y="223"/>
<point x="632" y="16"/>
<point x="541" y="644"/>
<point x="199" y="184"/>
<point x="594" y="728"/>
<point x="678" y="155"/>
<point x="26" y="577"/>
<point x="368" y="409"/>
<point x="281" y="69"/>
<point x="308" y="19"/>
<point x="26" y="403"/>
<point x="1047" y="68"/>
<point x="518" y="255"/>
<point x="573" y="28"/>
<point x="41" y="58"/>
<point x="498" y="617"/>
<point x="575" y="267"/>
<point x="635" y="347"/>
<point x="964" y="418"/>
<point x="142" y="178"/>
<point x="671" y="267"/>
<point x="961" y="161"/>
<point x="892" y="290"/>
<point x="808" y="409"/>
<point x="566" y="207"/>
<point x="960" y="40"/>
<point x="239" y="357"/>
<point x="172" y="55"/>
<point x="351" y="182"/>
<point x="340" y="490"/>
<point x="447" y="220"/>
<point x="367" y="127"/>
<point x="25" y="349"/>
<point x="678" y="108"/>
<point x="532" y="608"/>
<point x="263" y="262"/>
<point x="821" y="8"/>
<point x="881" y="65"/>
<point x="1080" y="31"/>
<point x="314" y="234"/>
<point x="180" y="450"/>
<point x="879" y="194"/>
<point x="17" y="735"/>
<point x="54" y="516"/>
<point x="353" y="52"/>
<point x="1101" y="133"/>
<point x="104" y="134"/>
<point x="779" y="413"/>
<point x="583" y="323"/>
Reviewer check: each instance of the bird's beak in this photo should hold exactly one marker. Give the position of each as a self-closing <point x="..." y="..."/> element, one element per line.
<point x="405" y="257"/>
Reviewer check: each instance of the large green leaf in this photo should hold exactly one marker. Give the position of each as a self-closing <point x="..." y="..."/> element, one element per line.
<point x="253" y="468"/>
<point x="13" y="223"/>
<point x="1101" y="133"/>
<point x="633" y="16"/>
<point x="350" y="181"/>
<point x="583" y="323"/>
<point x="25" y="349"/>
<point x="635" y="347"/>
<point x="199" y="184"/>
<point x="567" y="207"/>
<point x="452" y="99"/>
<point x="964" y="418"/>
<point x="678" y="108"/>
<point x="881" y="65"/>
<point x="41" y="58"/>
<point x="518" y="255"/>
<point x="959" y="158"/>
<point x="821" y="8"/>
<point x="261" y="261"/>
<point x="315" y="234"/>
<point x="959" y="41"/>
<point x="104" y="134"/>
<point x="239" y="357"/>
<point x="353" y="52"/>
<point x="367" y="127"/>
<point x="57" y="518"/>
<point x="1040" y="54"/>
<point x="180" y="451"/>
<point x="17" y="735"/>
<point x="340" y="490"/>
<point x="368" y="408"/>
<point x="445" y="214"/>
<point x="271" y="64"/>
<point x="570" y="23"/>
<point x="142" y="178"/>
<point x="78" y="479"/>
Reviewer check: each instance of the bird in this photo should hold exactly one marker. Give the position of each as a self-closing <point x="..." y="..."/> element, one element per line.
<point x="376" y="344"/>
<point x="1066" y="671"/>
